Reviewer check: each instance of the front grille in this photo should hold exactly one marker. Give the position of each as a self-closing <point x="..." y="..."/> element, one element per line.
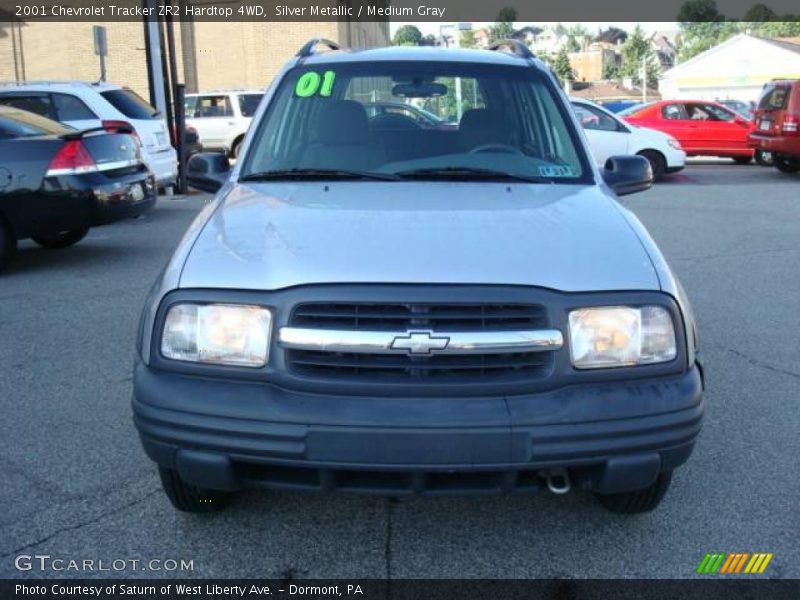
<point x="404" y="317"/>
<point x="400" y="368"/>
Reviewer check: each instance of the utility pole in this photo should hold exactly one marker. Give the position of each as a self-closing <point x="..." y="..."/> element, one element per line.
<point x="643" y="75"/>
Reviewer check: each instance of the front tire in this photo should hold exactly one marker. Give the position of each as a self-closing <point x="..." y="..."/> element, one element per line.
<point x="189" y="498"/>
<point x="657" y="163"/>
<point x="786" y="164"/>
<point x="8" y="243"/>
<point x="62" y="239"/>
<point x="638" y="501"/>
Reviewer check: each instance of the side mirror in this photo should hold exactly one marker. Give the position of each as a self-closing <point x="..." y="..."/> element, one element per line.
<point x="628" y="174"/>
<point x="208" y="171"/>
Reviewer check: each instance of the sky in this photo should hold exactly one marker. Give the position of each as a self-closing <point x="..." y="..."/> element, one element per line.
<point x="433" y="28"/>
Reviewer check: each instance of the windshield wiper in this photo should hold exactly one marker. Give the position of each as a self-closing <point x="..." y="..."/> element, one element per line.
<point x="470" y="173"/>
<point x="309" y="174"/>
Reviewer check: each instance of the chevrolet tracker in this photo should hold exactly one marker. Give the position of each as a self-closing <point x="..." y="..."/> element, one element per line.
<point x="375" y="303"/>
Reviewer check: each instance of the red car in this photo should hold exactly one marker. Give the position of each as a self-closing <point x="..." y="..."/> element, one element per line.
<point x="702" y="127"/>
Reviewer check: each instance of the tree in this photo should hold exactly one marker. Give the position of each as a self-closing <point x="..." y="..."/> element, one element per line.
<point x="407" y="35"/>
<point x="611" y="71"/>
<point x="572" y="44"/>
<point x="562" y="66"/>
<point x="504" y="26"/>
<point x="635" y="52"/>
<point x="468" y="39"/>
<point x="702" y="27"/>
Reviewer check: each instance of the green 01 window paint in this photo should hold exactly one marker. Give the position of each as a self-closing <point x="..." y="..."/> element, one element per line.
<point x="309" y="83"/>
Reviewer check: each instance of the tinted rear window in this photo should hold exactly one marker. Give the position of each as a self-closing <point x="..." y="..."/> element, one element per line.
<point x="130" y="104"/>
<point x="774" y="97"/>
<point x="248" y="103"/>
<point x="19" y="123"/>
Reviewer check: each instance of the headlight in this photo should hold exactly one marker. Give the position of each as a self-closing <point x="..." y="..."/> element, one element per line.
<point x="618" y="336"/>
<point x="224" y="334"/>
<point x="675" y="144"/>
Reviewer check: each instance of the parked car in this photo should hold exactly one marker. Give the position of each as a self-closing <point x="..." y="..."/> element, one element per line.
<point x="777" y="124"/>
<point x="703" y="128"/>
<point x="402" y="115"/>
<point x="84" y="105"/>
<point x="616" y="106"/>
<point x="477" y="313"/>
<point x="609" y="135"/>
<point x="222" y="118"/>
<point x="740" y="107"/>
<point x="193" y="145"/>
<point x="57" y="182"/>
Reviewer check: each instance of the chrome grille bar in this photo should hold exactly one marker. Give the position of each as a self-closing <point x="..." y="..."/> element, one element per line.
<point x="419" y="342"/>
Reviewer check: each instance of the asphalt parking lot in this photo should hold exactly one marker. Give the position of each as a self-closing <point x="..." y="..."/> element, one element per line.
<point x="76" y="483"/>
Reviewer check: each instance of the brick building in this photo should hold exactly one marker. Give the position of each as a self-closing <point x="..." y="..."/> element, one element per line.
<point x="211" y="55"/>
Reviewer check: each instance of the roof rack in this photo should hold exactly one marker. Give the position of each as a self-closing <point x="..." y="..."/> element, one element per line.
<point x="310" y="46"/>
<point x="517" y="48"/>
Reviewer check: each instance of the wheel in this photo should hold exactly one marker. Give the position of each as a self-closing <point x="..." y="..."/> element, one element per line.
<point x="786" y="164"/>
<point x="8" y="243"/>
<point x="657" y="163"/>
<point x="189" y="498"/>
<point x="237" y="147"/>
<point x="640" y="501"/>
<point x="742" y="160"/>
<point x="62" y="239"/>
<point x="763" y="158"/>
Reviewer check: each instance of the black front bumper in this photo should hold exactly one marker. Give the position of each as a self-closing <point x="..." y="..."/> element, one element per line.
<point x="611" y="437"/>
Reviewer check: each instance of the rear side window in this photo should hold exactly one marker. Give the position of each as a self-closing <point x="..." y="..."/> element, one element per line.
<point x="248" y="103"/>
<point x="774" y="98"/>
<point x="130" y="104"/>
<point x="71" y="108"/>
<point x="213" y="106"/>
<point x="37" y="104"/>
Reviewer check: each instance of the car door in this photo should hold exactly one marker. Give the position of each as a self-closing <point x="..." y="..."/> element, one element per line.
<point x="213" y="118"/>
<point x="673" y="120"/>
<point x="606" y="137"/>
<point x="730" y="129"/>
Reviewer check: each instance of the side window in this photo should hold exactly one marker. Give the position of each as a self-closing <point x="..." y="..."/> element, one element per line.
<point x="39" y="105"/>
<point x="71" y="108"/>
<point x="672" y="112"/>
<point x="189" y="105"/>
<point x="699" y="112"/>
<point x="717" y="113"/>
<point x="213" y="106"/>
<point x="591" y="118"/>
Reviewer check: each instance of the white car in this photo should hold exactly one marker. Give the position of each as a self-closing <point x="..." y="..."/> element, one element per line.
<point x="84" y="105"/>
<point x="609" y="135"/>
<point x="222" y="118"/>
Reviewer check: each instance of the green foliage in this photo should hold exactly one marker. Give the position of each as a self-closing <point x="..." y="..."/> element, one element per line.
<point x="562" y="66"/>
<point x="572" y="44"/>
<point x="636" y="51"/>
<point x="504" y="27"/>
<point x="407" y="35"/>
<point x="703" y="26"/>
<point x="468" y="39"/>
<point x="611" y="71"/>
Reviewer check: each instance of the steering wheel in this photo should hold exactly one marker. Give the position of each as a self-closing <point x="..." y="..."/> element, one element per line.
<point x="504" y="148"/>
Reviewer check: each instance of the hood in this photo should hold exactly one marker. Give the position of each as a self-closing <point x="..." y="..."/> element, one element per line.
<point x="269" y="236"/>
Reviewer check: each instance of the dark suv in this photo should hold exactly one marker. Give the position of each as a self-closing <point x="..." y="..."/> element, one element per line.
<point x="777" y="124"/>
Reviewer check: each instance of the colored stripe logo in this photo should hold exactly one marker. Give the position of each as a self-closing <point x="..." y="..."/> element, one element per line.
<point x="734" y="562"/>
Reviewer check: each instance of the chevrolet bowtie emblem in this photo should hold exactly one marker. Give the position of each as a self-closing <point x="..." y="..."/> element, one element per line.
<point x="419" y="343"/>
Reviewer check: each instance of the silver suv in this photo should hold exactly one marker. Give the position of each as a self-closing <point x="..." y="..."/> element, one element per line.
<point x="383" y="305"/>
<point x="222" y="118"/>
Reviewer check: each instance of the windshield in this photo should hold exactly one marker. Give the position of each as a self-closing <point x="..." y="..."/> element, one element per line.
<point x="392" y="120"/>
